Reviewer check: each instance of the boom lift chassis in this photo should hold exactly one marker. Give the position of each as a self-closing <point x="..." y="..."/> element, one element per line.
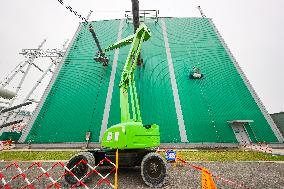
<point x="136" y="143"/>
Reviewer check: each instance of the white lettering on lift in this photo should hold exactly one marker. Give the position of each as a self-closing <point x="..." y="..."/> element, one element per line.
<point x="109" y="135"/>
<point x="116" y="135"/>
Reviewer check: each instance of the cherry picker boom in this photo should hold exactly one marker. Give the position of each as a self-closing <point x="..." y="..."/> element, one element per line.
<point x="136" y="142"/>
<point x="137" y="136"/>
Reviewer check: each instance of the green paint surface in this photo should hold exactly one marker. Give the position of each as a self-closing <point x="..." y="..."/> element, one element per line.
<point x="75" y="104"/>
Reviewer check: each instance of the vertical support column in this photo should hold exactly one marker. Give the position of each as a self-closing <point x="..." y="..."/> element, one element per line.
<point x="136" y="102"/>
<point x="135" y="12"/>
<point x="136" y="21"/>
<point x="180" y="119"/>
<point x="116" y="170"/>
<point x="132" y="102"/>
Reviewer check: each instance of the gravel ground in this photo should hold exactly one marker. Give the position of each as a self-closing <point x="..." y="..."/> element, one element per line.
<point x="251" y="174"/>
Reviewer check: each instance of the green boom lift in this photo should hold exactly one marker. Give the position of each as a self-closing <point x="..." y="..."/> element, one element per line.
<point x="136" y="142"/>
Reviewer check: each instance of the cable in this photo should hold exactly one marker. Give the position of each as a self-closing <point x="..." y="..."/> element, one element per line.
<point x="96" y="99"/>
<point x="68" y="7"/>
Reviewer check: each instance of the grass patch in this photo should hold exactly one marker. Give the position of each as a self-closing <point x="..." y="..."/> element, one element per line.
<point x="228" y="156"/>
<point x="202" y="155"/>
<point x="33" y="155"/>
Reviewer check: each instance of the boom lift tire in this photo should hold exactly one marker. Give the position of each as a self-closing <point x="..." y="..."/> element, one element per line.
<point x="154" y="170"/>
<point x="81" y="170"/>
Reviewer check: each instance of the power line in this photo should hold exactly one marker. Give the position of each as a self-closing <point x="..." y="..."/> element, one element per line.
<point x="201" y="12"/>
<point x="68" y="7"/>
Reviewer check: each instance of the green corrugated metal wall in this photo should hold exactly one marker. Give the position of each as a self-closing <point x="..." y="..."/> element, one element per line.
<point x="75" y="104"/>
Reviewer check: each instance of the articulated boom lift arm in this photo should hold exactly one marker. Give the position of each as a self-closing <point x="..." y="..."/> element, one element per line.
<point x="127" y="77"/>
<point x="134" y="141"/>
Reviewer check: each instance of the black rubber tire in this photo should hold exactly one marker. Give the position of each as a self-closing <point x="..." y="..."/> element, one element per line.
<point x="154" y="170"/>
<point x="81" y="170"/>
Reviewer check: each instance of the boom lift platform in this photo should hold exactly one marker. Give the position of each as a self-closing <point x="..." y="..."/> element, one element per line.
<point x="136" y="143"/>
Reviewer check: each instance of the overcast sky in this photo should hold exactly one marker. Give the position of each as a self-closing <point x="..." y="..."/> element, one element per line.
<point x="253" y="30"/>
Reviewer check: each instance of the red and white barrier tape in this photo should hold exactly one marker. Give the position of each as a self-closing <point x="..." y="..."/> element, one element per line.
<point x="262" y="147"/>
<point x="54" y="182"/>
<point x="237" y="184"/>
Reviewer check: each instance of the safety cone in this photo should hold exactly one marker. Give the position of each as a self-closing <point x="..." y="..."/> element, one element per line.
<point x="207" y="180"/>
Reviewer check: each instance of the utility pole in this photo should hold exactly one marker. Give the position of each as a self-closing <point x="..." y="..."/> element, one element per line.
<point x="136" y="22"/>
<point x="135" y="12"/>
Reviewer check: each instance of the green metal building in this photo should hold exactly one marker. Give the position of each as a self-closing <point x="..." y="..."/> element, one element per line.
<point x="220" y="107"/>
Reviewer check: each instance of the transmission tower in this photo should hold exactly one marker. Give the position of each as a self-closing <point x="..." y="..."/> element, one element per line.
<point x="10" y="112"/>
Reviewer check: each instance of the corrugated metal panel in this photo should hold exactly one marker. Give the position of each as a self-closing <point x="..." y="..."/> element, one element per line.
<point x="278" y="118"/>
<point x="71" y="108"/>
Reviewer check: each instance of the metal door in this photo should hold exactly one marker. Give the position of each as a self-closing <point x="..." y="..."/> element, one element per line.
<point x="241" y="134"/>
